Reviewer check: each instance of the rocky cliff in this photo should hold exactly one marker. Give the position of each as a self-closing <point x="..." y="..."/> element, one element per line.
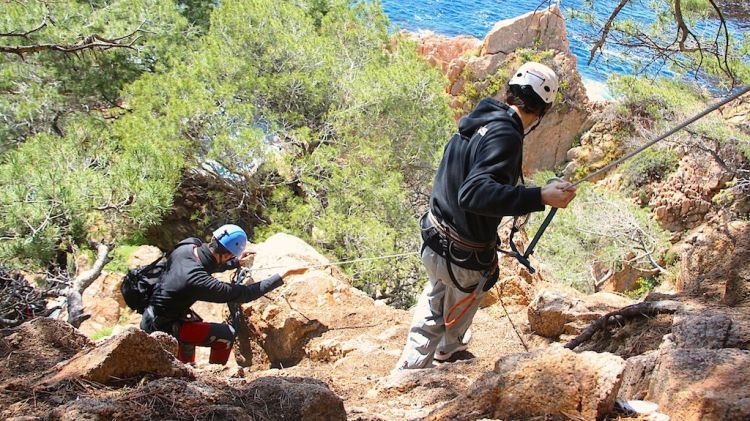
<point x="476" y="70"/>
<point x="320" y="349"/>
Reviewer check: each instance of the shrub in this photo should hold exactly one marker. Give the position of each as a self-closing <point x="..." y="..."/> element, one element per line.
<point x="598" y="226"/>
<point x="652" y="165"/>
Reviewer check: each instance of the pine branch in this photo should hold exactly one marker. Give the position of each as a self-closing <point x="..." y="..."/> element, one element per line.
<point x="91" y="42"/>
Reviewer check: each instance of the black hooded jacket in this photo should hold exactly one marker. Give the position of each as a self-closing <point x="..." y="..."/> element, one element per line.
<point x="475" y="185"/>
<point x="187" y="279"/>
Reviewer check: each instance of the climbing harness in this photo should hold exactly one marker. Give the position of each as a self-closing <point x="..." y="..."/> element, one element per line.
<point x="456" y="250"/>
<point x="523" y="257"/>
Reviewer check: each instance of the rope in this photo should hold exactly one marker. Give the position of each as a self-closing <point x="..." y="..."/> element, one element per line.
<point x="674" y="130"/>
<point x="513" y="325"/>
<point x="339" y="263"/>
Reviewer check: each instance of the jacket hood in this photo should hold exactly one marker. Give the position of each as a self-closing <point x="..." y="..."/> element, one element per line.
<point x="488" y="110"/>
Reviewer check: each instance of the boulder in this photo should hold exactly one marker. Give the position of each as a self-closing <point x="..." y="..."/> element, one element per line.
<point x="143" y="255"/>
<point x="637" y="376"/>
<point x="711" y="329"/>
<point x="130" y="354"/>
<point x="275" y="398"/>
<point x="307" y="306"/>
<point x="38" y="345"/>
<point x="551" y="382"/>
<point x="544" y="27"/>
<point x="296" y="398"/>
<point x="702" y="384"/>
<point x="167" y="342"/>
<point x="553" y="313"/>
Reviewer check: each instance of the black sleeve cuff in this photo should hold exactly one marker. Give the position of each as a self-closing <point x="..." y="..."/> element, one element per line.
<point x="532" y="198"/>
<point x="270" y="284"/>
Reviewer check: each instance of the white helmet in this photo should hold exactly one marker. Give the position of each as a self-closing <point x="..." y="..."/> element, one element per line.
<point x="541" y="78"/>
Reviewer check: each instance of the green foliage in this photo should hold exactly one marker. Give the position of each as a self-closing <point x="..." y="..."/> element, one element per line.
<point x="55" y="191"/>
<point x="652" y="165"/>
<point x="317" y="103"/>
<point x="658" y="99"/>
<point x="644" y="286"/>
<point x="41" y="90"/>
<point x="312" y="104"/>
<point x="598" y="226"/>
<point x="120" y="255"/>
<point x="707" y="52"/>
<point x="102" y="333"/>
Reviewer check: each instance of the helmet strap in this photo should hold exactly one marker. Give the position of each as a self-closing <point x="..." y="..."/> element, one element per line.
<point x="539" y="120"/>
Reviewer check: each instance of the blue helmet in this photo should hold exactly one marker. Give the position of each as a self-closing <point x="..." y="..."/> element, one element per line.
<point x="232" y="237"/>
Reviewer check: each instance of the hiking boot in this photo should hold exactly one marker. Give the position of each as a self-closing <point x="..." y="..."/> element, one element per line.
<point x="441" y="356"/>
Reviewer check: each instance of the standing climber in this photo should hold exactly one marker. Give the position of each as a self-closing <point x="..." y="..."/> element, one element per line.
<point x="187" y="279"/>
<point x="475" y="186"/>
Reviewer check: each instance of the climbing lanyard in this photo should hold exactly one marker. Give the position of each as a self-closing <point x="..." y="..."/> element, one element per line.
<point x="523" y="257"/>
<point x="234" y="306"/>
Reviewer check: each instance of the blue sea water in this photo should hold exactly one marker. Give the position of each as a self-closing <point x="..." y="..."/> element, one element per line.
<point x="466" y="17"/>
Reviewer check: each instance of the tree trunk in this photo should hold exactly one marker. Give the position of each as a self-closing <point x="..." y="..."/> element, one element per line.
<point x="74" y="294"/>
<point x="644" y="309"/>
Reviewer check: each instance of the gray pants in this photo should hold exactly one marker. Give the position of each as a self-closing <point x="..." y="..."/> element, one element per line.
<point x="441" y="303"/>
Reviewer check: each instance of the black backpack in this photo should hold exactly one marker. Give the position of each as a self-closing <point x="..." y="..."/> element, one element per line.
<point x="138" y="284"/>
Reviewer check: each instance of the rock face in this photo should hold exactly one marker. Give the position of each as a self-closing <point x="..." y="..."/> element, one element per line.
<point x="553" y="313"/>
<point x="702" y="384"/>
<point x="440" y="50"/>
<point x="684" y="199"/>
<point x="474" y="75"/>
<point x="716" y="263"/>
<point x="637" y="376"/>
<point x="711" y="329"/>
<point x="130" y="354"/>
<point x="552" y="382"/>
<point x="545" y="28"/>
<point x="104" y="302"/>
<point x="599" y="146"/>
<point x="700" y="370"/>
<point x="307" y="307"/>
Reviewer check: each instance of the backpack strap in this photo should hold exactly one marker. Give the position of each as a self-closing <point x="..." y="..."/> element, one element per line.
<point x="192" y="240"/>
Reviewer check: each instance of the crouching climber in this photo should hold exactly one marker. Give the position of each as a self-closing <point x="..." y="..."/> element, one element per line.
<point x="187" y="279"/>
